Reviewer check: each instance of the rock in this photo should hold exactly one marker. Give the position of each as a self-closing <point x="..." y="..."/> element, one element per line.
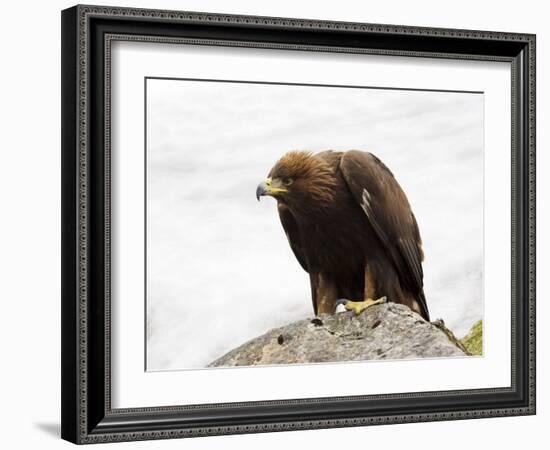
<point x="473" y="341"/>
<point x="387" y="331"/>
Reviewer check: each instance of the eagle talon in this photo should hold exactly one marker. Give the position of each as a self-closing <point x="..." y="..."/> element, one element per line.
<point x="359" y="307"/>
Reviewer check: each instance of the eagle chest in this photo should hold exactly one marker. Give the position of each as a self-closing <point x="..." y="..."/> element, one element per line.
<point x="335" y="244"/>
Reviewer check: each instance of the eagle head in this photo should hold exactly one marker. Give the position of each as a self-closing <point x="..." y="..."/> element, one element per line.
<point x="300" y="179"/>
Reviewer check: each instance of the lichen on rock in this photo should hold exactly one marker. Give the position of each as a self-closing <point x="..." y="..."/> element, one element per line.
<point x="473" y="341"/>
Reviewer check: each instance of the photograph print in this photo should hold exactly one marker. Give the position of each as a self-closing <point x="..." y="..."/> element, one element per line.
<point x="300" y="224"/>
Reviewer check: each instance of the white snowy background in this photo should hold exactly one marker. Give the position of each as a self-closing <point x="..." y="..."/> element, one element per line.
<point x="219" y="268"/>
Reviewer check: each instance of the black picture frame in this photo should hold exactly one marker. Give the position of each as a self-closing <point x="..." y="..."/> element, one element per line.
<point x="87" y="416"/>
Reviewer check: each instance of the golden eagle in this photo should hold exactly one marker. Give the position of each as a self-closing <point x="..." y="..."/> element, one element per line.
<point x="351" y="228"/>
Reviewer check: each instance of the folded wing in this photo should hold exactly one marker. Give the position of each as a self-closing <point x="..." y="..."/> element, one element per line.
<point x="386" y="206"/>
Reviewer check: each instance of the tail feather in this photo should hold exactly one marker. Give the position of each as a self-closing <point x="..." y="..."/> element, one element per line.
<point x="421" y="300"/>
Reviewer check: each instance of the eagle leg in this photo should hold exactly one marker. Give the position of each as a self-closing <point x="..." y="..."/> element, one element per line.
<point x="359" y="307"/>
<point x="324" y="294"/>
<point x="369" y="294"/>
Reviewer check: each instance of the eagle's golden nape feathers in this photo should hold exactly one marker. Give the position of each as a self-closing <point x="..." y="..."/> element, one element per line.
<point x="312" y="173"/>
<point x="351" y="228"/>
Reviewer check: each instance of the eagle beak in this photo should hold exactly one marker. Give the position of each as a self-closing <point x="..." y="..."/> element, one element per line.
<point x="262" y="189"/>
<point x="268" y="187"/>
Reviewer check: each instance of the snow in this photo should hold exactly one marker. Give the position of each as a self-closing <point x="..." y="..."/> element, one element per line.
<point x="219" y="268"/>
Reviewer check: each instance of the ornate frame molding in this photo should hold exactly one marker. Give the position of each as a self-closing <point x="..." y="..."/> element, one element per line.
<point x="83" y="421"/>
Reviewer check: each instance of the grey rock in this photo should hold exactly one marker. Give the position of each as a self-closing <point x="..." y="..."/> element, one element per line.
<point x="387" y="331"/>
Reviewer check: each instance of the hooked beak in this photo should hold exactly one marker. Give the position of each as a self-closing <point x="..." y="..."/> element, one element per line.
<point x="268" y="188"/>
<point x="261" y="190"/>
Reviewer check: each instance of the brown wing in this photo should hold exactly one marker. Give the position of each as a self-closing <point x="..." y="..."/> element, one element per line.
<point x="293" y="235"/>
<point x="388" y="211"/>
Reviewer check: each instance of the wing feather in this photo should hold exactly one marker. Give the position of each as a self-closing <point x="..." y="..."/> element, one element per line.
<point x="292" y="234"/>
<point x="377" y="192"/>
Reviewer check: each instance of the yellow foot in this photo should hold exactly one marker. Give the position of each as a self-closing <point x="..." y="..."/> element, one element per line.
<point x="359" y="307"/>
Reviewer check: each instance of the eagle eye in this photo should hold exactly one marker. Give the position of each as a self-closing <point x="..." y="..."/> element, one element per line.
<point x="287" y="181"/>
